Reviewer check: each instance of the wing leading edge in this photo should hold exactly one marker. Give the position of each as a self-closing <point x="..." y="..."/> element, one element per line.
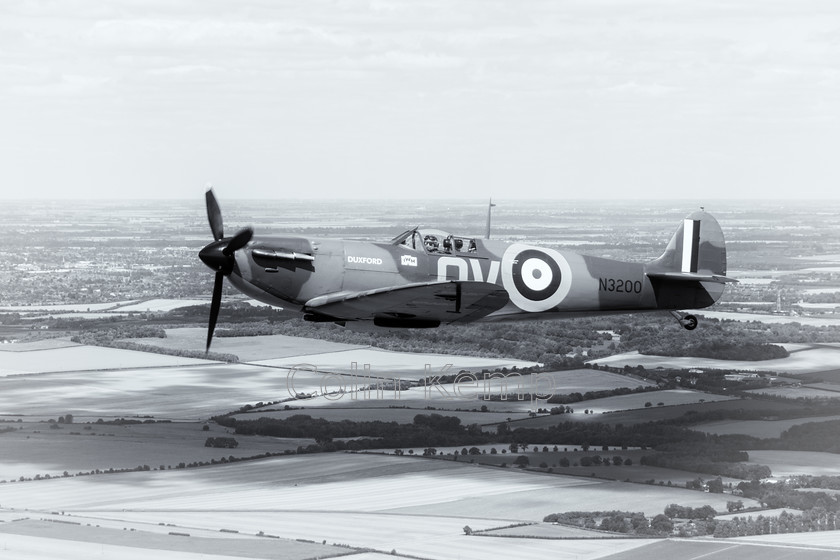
<point x="413" y="305"/>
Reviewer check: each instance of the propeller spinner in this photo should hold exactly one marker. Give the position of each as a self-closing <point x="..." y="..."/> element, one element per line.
<point x="219" y="257"/>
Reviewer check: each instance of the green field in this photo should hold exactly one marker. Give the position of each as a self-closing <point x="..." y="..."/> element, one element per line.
<point x="248" y="348"/>
<point x="35" y="449"/>
<point x="757" y="428"/>
<point x="63" y="358"/>
<point x="790" y="463"/>
<point x="814" y="359"/>
<point x="383" y="414"/>
<point x="416" y="506"/>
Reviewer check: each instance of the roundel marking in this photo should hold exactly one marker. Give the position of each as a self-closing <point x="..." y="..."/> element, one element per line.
<point x="536" y="279"/>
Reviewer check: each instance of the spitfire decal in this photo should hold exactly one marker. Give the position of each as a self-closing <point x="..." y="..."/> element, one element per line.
<point x="536" y="279"/>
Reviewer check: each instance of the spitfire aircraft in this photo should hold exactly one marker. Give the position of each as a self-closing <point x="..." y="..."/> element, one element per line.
<point x="426" y="277"/>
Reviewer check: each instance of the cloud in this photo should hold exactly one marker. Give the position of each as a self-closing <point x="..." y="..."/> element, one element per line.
<point x="514" y="96"/>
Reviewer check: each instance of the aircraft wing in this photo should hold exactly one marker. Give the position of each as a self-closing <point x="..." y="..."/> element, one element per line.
<point x="412" y="305"/>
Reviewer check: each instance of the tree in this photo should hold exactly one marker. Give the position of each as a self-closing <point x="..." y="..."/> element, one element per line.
<point x="716" y="486"/>
<point x="734" y="506"/>
<point x="522" y="461"/>
<point x="615" y="523"/>
<point x="662" y="525"/>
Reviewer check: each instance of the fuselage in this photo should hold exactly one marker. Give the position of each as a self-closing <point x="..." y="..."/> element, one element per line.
<point x="539" y="281"/>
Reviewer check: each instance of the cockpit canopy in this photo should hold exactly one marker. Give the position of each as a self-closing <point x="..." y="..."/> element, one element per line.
<point x="435" y="241"/>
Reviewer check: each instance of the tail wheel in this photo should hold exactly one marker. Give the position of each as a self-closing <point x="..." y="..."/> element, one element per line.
<point x="688" y="322"/>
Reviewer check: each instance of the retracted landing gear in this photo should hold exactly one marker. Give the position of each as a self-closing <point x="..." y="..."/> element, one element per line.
<point x="688" y="322"/>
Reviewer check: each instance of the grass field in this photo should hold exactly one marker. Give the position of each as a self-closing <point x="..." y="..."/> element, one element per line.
<point x="757" y="428"/>
<point x="387" y="364"/>
<point x="44" y="344"/>
<point x="819" y="358"/>
<point x="470" y="395"/>
<point x="415" y="506"/>
<point x="822" y="546"/>
<point x="670" y="397"/>
<point x="585" y="379"/>
<point x="789" y="463"/>
<point x="797" y="392"/>
<point x="401" y="415"/>
<point x="180" y="393"/>
<point x="54" y="538"/>
<point x="248" y="348"/>
<point x="549" y="531"/>
<point x="655" y="413"/>
<point x="63" y="308"/>
<point x="161" y="305"/>
<point x="609" y="408"/>
<point x="84" y="358"/>
<point x="637" y="473"/>
<point x="35" y="449"/>
<point x="771" y="319"/>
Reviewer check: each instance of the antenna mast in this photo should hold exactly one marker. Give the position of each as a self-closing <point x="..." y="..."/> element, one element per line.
<point x="489" y="212"/>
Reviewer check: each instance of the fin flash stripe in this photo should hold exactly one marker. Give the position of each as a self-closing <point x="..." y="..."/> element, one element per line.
<point x="691" y="245"/>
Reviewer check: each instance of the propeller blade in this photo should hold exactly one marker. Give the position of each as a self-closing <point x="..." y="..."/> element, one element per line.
<point x="214" y="215"/>
<point x="215" y="304"/>
<point x="238" y="241"/>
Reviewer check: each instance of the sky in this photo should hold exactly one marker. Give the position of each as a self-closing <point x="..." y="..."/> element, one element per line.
<point x="594" y="99"/>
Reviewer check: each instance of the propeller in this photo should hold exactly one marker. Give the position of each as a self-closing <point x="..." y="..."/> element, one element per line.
<point x="219" y="256"/>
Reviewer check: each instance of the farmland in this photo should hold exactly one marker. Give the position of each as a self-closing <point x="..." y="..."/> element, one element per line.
<point x="789" y="463"/>
<point x="416" y="506"/>
<point x="757" y="428"/>
<point x="361" y="500"/>
<point x="80" y="358"/>
<point x="246" y="348"/>
<point x="804" y="361"/>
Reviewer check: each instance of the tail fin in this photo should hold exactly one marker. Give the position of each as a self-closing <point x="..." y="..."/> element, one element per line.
<point x="691" y="273"/>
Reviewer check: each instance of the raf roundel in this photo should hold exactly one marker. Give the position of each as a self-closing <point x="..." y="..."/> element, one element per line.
<point x="536" y="279"/>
